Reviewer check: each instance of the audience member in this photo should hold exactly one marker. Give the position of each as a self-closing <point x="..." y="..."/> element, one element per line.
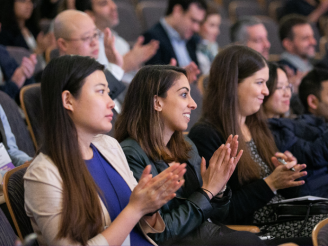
<point x="105" y="16"/>
<point x="208" y="47"/>
<point x="305" y="136"/>
<point x="313" y="93"/>
<point x="251" y="32"/>
<point x="21" y="28"/>
<point x="176" y="32"/>
<point x="297" y="38"/>
<point x="237" y="83"/>
<point x="76" y="34"/>
<point x="164" y="96"/>
<point x="17" y="156"/>
<point x="79" y="189"/>
<point x="276" y="104"/>
<point x="14" y="77"/>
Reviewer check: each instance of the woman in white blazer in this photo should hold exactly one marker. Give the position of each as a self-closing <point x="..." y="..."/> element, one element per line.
<point x="79" y="189"/>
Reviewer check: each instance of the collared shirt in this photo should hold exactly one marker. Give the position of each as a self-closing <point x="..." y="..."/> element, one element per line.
<point x="206" y="52"/>
<point x="17" y="156"/>
<point x="117" y="71"/>
<point x="179" y="45"/>
<point x="297" y="62"/>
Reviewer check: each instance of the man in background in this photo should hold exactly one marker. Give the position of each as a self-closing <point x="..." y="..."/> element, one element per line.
<point x="251" y="32"/>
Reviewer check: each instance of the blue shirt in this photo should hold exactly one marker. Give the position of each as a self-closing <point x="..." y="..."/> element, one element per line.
<point x="115" y="191"/>
<point x="17" y="156"/>
<point x="179" y="45"/>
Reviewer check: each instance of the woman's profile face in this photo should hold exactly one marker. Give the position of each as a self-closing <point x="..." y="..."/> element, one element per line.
<point x="176" y="108"/>
<point x="251" y="92"/>
<point x="91" y="111"/>
<point x="23" y="9"/>
<point x="210" y="29"/>
<point x="278" y="103"/>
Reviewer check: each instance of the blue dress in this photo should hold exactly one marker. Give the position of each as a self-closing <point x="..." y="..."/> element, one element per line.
<point x="115" y="192"/>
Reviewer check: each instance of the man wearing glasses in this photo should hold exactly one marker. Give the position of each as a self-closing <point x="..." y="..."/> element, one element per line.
<point x="76" y="34"/>
<point x="105" y="15"/>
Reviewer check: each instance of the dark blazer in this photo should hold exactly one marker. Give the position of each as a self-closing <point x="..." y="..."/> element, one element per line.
<point x="183" y="214"/>
<point x="165" y="51"/>
<point x="307" y="138"/>
<point x="8" y="38"/>
<point x="8" y="66"/>
<point x="246" y="199"/>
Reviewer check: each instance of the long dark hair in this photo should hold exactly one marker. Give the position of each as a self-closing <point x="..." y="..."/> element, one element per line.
<point x="229" y="68"/>
<point x="273" y="79"/>
<point x="139" y="119"/>
<point x="9" y="21"/>
<point x="81" y="217"/>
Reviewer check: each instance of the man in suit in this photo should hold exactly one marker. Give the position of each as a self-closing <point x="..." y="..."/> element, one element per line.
<point x="176" y="32"/>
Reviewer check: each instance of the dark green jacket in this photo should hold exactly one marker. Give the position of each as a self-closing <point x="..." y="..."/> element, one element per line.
<point x="182" y="214"/>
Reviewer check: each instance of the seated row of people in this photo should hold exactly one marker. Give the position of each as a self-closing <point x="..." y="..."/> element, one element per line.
<point x="306" y="135"/>
<point x="77" y="110"/>
<point x="175" y="37"/>
<point x="232" y="105"/>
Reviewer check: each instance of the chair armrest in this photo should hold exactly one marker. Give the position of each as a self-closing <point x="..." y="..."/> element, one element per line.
<point x="250" y="228"/>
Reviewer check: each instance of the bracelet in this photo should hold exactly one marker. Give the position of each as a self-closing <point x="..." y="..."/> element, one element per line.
<point x="209" y="192"/>
<point x="222" y="191"/>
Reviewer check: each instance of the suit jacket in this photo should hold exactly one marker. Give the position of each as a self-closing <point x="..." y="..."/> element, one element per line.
<point x="43" y="195"/>
<point x="165" y="51"/>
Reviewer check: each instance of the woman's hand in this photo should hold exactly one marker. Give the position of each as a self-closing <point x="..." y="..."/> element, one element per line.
<point x="233" y="141"/>
<point x="220" y="168"/>
<point x="152" y="193"/>
<point x="282" y="177"/>
<point x="287" y="156"/>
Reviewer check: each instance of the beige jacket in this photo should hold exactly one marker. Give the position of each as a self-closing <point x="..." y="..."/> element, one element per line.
<point x="43" y="195"/>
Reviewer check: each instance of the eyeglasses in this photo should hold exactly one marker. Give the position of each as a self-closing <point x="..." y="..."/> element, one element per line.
<point x="28" y="1"/>
<point x="87" y="39"/>
<point x="286" y="88"/>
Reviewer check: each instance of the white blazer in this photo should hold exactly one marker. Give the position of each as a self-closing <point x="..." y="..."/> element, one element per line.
<point x="43" y="195"/>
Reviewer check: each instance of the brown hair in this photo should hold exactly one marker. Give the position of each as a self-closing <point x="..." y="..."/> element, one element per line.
<point x="81" y="215"/>
<point x="230" y="67"/>
<point x="139" y="119"/>
<point x="212" y="9"/>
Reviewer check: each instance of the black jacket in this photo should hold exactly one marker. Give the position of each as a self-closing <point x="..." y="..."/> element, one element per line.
<point x="165" y="51"/>
<point x="246" y="199"/>
<point x="182" y="214"/>
<point x="8" y="66"/>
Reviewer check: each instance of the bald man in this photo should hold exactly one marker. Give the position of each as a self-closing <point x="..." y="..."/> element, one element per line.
<point x="76" y="34"/>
